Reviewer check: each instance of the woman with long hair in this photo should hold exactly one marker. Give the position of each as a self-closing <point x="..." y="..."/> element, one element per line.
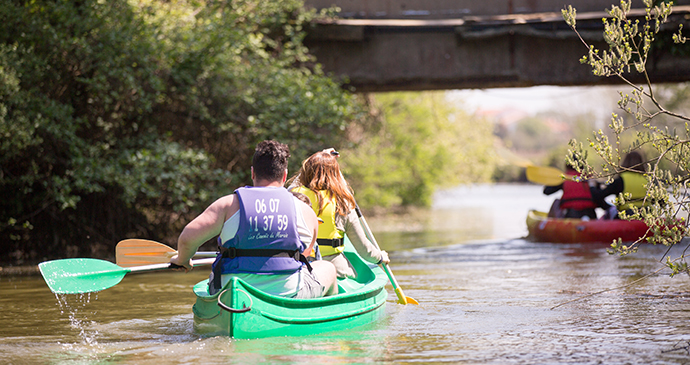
<point x="630" y="181"/>
<point x="333" y="201"/>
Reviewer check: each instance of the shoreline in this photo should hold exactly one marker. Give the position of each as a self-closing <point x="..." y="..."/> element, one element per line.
<point x="26" y="270"/>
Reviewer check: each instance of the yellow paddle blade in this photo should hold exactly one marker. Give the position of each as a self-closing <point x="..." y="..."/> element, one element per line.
<point x="403" y="299"/>
<point x="549" y="176"/>
<point x="411" y="301"/>
<point x="136" y="252"/>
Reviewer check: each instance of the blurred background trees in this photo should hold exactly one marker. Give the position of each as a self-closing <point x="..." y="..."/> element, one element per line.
<point x="419" y="142"/>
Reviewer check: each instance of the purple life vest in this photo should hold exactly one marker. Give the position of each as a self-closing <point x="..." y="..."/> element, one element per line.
<point x="267" y="241"/>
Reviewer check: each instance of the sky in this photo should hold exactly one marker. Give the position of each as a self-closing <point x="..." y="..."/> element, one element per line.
<point x="598" y="100"/>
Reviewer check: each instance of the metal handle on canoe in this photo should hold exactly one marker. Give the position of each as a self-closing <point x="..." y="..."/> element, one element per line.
<point x="233" y="310"/>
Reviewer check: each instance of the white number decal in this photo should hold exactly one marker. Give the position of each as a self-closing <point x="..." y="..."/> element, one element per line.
<point x="273" y="205"/>
<point x="260" y="206"/>
<point x="268" y="222"/>
<point x="282" y="222"/>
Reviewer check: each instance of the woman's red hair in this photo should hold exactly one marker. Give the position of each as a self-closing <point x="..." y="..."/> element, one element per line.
<point x="321" y="171"/>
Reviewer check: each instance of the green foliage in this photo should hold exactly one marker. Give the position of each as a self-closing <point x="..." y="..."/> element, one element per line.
<point x="533" y="134"/>
<point x="419" y="142"/>
<point x="662" y="133"/>
<point x="123" y="118"/>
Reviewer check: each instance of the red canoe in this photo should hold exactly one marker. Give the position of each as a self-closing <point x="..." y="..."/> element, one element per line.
<point x="568" y="230"/>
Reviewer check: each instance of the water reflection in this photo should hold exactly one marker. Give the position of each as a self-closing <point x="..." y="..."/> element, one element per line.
<point x="463" y="214"/>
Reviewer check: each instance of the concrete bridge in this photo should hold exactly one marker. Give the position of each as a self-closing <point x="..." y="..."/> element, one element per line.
<point x="387" y="45"/>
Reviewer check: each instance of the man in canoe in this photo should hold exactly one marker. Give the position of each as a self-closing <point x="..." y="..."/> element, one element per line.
<point x="576" y="201"/>
<point x="264" y="233"/>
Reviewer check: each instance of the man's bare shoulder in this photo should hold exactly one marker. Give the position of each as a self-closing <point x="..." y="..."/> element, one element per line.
<point x="229" y="204"/>
<point x="226" y="200"/>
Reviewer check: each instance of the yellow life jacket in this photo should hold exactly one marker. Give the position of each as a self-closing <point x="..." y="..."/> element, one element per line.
<point x="327" y="229"/>
<point x="634" y="184"/>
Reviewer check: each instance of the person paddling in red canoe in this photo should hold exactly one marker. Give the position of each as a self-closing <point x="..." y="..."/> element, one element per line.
<point x="631" y="182"/>
<point x="576" y="201"/>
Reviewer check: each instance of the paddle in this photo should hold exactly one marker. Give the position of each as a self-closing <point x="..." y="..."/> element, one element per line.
<point x="549" y="176"/>
<point x="402" y="299"/>
<point x="135" y="252"/>
<point x="73" y="276"/>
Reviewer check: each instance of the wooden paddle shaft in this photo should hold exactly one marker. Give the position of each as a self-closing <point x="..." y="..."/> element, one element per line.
<point x="144" y="268"/>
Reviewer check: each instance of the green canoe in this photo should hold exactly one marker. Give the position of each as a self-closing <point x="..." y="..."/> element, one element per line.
<point x="242" y="311"/>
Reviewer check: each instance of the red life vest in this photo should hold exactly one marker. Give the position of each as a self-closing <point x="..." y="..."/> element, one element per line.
<point x="576" y="195"/>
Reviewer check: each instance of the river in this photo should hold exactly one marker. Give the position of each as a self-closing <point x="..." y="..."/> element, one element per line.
<point x="486" y="297"/>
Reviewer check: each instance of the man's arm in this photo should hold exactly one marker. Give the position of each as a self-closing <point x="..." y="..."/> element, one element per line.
<point x="204" y="227"/>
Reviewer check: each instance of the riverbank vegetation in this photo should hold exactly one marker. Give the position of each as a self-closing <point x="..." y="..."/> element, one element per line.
<point x="419" y="142"/>
<point x="125" y="118"/>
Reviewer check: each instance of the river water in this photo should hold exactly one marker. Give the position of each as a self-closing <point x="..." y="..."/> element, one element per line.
<point x="486" y="297"/>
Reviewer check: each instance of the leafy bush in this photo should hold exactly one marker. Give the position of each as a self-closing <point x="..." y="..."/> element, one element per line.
<point x="123" y="118"/>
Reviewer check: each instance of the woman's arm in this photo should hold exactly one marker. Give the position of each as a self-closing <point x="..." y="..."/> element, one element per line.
<point x="366" y="249"/>
<point x="548" y="190"/>
<point x="615" y="188"/>
<point x="599" y="195"/>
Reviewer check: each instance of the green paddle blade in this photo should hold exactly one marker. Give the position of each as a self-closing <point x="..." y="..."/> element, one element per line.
<point x="73" y="276"/>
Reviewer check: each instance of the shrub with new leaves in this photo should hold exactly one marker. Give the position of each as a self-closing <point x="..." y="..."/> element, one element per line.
<point x="661" y="133"/>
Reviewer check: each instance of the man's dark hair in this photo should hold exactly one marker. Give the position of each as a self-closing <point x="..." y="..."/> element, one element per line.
<point x="270" y="160"/>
